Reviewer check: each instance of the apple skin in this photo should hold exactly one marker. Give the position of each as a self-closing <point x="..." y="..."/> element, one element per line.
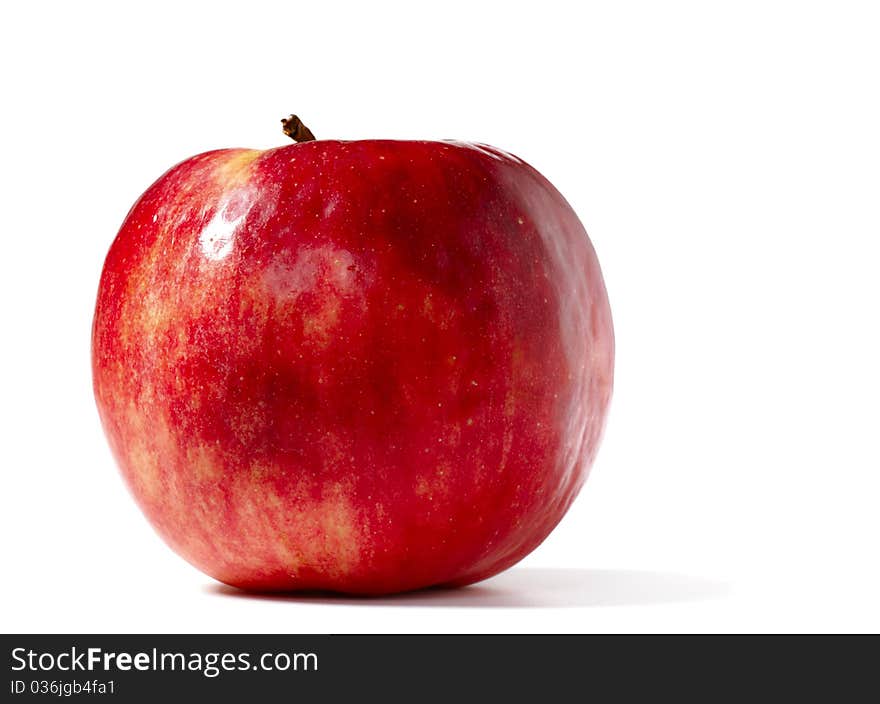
<point x="364" y="367"/>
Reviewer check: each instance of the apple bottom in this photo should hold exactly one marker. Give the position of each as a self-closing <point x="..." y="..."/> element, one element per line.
<point x="261" y="528"/>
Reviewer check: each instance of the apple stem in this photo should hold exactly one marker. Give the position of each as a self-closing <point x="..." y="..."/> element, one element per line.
<point x="296" y="130"/>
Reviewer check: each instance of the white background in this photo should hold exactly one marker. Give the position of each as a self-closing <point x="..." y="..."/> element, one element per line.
<point x="725" y="158"/>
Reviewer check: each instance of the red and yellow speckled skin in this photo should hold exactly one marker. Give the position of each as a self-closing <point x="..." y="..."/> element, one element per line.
<point x="365" y="367"/>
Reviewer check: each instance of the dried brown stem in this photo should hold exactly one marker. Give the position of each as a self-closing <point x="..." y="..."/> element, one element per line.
<point x="296" y="130"/>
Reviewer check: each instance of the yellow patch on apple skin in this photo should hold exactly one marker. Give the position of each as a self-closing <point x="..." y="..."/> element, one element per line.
<point x="259" y="472"/>
<point x="148" y="442"/>
<point x="236" y="167"/>
<point x="336" y="520"/>
<point x="253" y="304"/>
<point x="176" y="488"/>
<point x="154" y="312"/>
<point x="319" y="326"/>
<point x="180" y="486"/>
<point x="323" y="535"/>
<point x="145" y="476"/>
<point x="143" y="313"/>
<point x="204" y="463"/>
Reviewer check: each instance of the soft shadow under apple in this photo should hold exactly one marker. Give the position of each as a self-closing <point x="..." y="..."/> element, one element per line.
<point x="526" y="587"/>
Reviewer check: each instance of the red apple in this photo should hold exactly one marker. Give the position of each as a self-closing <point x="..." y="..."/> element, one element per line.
<point x="359" y="366"/>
